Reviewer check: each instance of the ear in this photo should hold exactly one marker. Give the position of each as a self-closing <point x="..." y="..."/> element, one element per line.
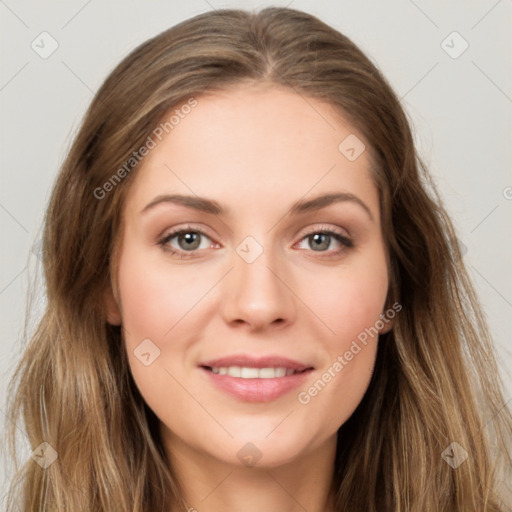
<point x="111" y="308"/>
<point x="388" y="323"/>
<point x="388" y="315"/>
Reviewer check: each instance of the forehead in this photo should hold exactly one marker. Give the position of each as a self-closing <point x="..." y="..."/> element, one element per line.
<point x="250" y="144"/>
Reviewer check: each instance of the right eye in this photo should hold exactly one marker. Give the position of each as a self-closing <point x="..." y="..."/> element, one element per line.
<point x="185" y="240"/>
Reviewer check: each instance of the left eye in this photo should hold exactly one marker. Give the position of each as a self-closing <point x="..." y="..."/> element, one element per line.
<point x="320" y="241"/>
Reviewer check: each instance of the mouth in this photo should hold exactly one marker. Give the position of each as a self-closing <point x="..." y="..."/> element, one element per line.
<point x="252" y="379"/>
<point x="248" y="372"/>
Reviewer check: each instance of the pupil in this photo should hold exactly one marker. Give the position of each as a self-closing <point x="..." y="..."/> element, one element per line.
<point x="190" y="238"/>
<point x="325" y="243"/>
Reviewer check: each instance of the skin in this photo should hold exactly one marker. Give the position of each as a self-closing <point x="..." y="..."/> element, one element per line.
<point x="255" y="150"/>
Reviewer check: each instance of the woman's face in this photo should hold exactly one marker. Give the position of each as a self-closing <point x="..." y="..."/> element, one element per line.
<point x="252" y="276"/>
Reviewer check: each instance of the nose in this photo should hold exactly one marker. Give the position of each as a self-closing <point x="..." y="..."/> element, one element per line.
<point x="258" y="295"/>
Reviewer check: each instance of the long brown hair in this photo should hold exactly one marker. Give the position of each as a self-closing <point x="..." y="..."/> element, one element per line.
<point x="435" y="381"/>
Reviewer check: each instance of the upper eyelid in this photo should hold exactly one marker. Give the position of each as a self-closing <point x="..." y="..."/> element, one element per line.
<point x="324" y="227"/>
<point x="184" y="229"/>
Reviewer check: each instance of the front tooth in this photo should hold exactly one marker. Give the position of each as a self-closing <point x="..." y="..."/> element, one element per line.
<point x="267" y="373"/>
<point x="249" y="373"/>
<point x="280" y="372"/>
<point x="234" y="371"/>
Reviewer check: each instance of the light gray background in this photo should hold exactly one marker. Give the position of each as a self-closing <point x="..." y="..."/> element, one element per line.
<point x="461" y="110"/>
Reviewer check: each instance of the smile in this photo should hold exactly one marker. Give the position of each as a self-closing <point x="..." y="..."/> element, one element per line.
<point x="251" y="379"/>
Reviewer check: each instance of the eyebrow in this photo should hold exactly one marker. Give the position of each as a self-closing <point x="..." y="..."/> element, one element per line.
<point x="213" y="207"/>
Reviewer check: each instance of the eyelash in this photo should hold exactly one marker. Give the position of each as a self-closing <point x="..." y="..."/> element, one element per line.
<point x="342" y="239"/>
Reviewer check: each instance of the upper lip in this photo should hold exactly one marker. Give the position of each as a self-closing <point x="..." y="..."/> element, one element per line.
<point x="272" y="361"/>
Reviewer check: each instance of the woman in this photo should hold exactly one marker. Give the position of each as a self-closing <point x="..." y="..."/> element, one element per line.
<point x="256" y="300"/>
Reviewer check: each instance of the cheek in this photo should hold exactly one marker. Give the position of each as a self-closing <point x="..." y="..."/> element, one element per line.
<point x="153" y="300"/>
<point x="158" y="306"/>
<point x="350" y="300"/>
<point x="349" y="303"/>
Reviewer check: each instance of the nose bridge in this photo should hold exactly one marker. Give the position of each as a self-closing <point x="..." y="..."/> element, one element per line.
<point x="255" y="292"/>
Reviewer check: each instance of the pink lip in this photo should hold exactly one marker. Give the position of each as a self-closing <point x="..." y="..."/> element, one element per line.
<point x="256" y="362"/>
<point x="257" y="390"/>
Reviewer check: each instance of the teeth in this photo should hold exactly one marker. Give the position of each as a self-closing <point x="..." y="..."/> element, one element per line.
<point x="234" y="371"/>
<point x="280" y="372"/>
<point x="253" y="373"/>
<point x="249" y="373"/>
<point x="267" y="373"/>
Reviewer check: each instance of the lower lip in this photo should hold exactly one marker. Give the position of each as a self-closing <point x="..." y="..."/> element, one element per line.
<point x="257" y="390"/>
